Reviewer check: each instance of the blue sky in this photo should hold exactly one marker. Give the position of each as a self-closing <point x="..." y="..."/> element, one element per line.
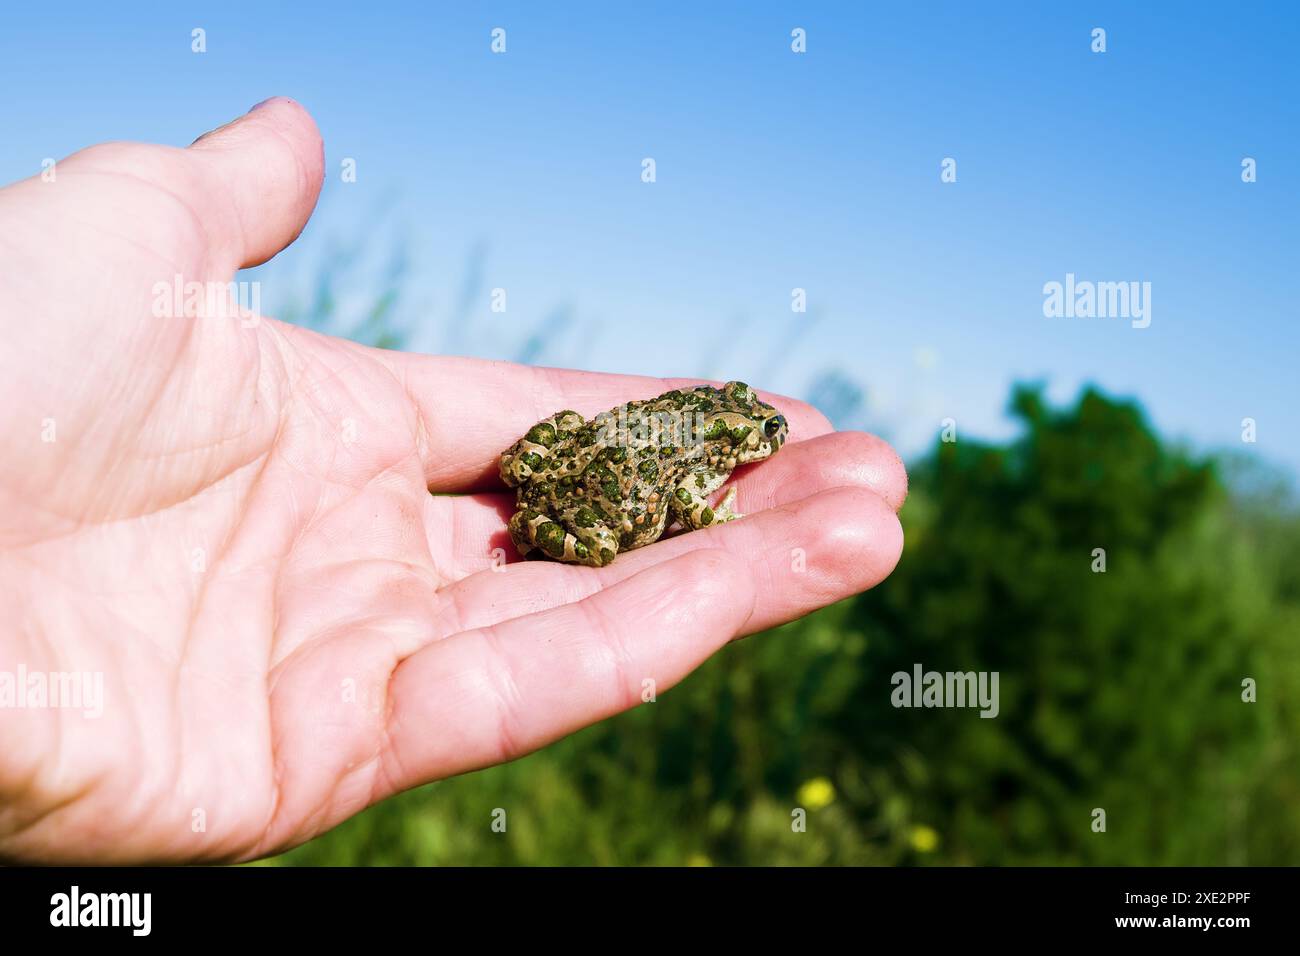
<point x="775" y="170"/>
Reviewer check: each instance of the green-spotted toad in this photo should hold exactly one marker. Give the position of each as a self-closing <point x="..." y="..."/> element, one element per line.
<point x="590" y="490"/>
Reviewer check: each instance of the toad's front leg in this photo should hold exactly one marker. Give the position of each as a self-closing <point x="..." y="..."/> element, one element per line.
<point x="692" y="508"/>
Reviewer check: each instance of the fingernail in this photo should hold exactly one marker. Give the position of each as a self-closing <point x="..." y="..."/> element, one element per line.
<point x="264" y="102"/>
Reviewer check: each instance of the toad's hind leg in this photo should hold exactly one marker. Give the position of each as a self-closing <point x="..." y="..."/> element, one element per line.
<point x="526" y="456"/>
<point x="589" y="542"/>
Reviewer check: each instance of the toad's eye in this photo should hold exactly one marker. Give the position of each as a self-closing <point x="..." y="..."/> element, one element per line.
<point x="773" y="426"/>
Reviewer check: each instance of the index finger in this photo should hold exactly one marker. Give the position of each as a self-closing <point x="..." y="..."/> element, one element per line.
<point x="473" y="409"/>
<point x="492" y="694"/>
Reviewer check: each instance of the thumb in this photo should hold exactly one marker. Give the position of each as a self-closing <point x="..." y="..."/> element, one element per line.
<point x="267" y="168"/>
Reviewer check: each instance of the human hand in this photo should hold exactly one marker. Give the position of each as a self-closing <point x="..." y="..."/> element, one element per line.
<point x="230" y="521"/>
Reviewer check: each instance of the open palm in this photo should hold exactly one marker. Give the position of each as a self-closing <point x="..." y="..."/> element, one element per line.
<point x="229" y="520"/>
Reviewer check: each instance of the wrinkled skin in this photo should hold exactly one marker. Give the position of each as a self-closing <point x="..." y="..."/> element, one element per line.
<point x="230" y="522"/>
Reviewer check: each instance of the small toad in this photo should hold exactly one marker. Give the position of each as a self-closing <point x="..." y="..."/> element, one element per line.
<point x="590" y="490"/>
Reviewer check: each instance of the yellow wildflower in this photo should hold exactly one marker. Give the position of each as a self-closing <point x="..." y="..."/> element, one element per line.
<point x="924" y="839"/>
<point x="816" y="793"/>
